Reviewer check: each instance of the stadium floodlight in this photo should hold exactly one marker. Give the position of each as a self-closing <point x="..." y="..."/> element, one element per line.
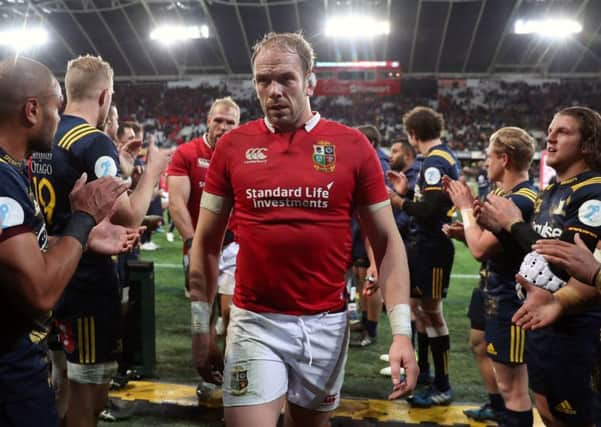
<point x="23" y="39"/>
<point x="169" y="34"/>
<point x="553" y="28"/>
<point x="356" y="27"/>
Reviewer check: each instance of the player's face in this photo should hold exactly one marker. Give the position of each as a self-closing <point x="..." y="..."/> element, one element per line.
<point x="563" y="143"/>
<point x="51" y="104"/>
<point x="282" y="88"/>
<point x="397" y="158"/>
<point x="493" y="164"/>
<point x="222" y="119"/>
<point x="112" y="123"/>
<point x="127" y="136"/>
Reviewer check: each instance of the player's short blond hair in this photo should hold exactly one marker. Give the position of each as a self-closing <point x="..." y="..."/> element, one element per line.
<point x="516" y="143"/>
<point x="86" y="76"/>
<point x="290" y="42"/>
<point x="228" y="102"/>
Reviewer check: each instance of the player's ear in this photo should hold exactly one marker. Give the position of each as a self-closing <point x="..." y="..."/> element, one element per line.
<point x="310" y="82"/>
<point x="104" y="97"/>
<point x="31" y="111"/>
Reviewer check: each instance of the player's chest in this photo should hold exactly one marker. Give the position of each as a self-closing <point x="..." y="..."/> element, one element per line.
<point x="315" y="172"/>
<point x="198" y="172"/>
<point x="550" y="213"/>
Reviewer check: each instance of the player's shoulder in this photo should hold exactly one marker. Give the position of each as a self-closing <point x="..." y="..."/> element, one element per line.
<point x="441" y="154"/>
<point x="587" y="185"/>
<point x="332" y="128"/>
<point x="525" y="191"/>
<point x="75" y="134"/>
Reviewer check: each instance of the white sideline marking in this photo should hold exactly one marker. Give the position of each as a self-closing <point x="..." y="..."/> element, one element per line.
<point x="453" y="276"/>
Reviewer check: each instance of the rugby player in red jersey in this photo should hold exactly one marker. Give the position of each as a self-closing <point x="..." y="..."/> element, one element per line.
<point x="294" y="180"/>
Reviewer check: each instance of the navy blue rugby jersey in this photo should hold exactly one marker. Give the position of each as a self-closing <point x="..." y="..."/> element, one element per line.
<point x="23" y="364"/>
<point x="569" y="207"/>
<point x="439" y="161"/>
<point x="503" y="266"/>
<point x="78" y="147"/>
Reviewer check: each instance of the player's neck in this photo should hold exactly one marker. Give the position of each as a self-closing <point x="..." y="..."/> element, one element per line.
<point x="572" y="170"/>
<point x="13" y="144"/>
<point x="512" y="178"/>
<point x="426" y="146"/>
<point x="83" y="111"/>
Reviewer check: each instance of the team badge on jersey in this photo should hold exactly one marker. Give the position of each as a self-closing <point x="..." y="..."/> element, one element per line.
<point x="11" y="212"/>
<point x="239" y="380"/>
<point x="105" y="166"/>
<point x="324" y="156"/>
<point x="590" y="213"/>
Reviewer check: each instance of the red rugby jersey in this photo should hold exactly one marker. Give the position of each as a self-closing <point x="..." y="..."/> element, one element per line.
<point x="294" y="194"/>
<point x="192" y="160"/>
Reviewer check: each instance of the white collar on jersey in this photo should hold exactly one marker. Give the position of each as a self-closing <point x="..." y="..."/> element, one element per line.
<point x="308" y="126"/>
<point x="206" y="141"/>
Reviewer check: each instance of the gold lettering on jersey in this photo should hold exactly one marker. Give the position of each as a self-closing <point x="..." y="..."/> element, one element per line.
<point x="324" y="156"/>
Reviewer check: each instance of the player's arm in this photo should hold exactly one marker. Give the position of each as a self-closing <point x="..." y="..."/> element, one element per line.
<point x="481" y="243"/>
<point x="132" y="208"/>
<point x="391" y="259"/>
<point x="34" y="279"/>
<point x="179" y="194"/>
<point x="204" y="268"/>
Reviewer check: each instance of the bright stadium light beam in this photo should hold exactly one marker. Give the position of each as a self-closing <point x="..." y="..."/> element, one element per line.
<point x="552" y="28"/>
<point x="23" y="39"/>
<point x="169" y="34"/>
<point x="356" y="27"/>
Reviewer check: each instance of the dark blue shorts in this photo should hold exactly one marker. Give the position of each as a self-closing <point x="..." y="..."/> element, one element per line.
<point x="38" y="411"/>
<point x="560" y="368"/>
<point x="430" y="265"/>
<point x="475" y="311"/>
<point x="89" y="326"/>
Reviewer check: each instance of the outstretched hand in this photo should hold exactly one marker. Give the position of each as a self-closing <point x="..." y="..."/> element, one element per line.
<point x="96" y="198"/>
<point x="402" y="355"/>
<point x="399" y="181"/>
<point x="540" y="308"/>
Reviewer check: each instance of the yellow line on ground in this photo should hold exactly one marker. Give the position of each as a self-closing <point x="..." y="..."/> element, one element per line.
<point x="357" y="409"/>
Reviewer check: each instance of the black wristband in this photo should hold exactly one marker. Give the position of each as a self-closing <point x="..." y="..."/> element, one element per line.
<point x="188" y="243"/>
<point x="79" y="227"/>
<point x="524" y="235"/>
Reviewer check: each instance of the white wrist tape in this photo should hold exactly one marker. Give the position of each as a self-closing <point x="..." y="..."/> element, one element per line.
<point x="400" y="320"/>
<point x="467" y="216"/>
<point x="201" y="315"/>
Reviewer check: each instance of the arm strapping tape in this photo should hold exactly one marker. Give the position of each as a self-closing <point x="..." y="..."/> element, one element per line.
<point x="201" y="315"/>
<point x="400" y="320"/>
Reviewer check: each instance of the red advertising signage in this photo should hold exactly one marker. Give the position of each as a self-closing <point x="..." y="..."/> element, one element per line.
<point x="358" y="77"/>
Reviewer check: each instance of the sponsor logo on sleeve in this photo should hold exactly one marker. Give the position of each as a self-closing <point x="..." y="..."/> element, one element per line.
<point x="11" y="212"/>
<point x="324" y="156"/>
<point x="590" y="213"/>
<point x="105" y="166"/>
<point x="432" y="176"/>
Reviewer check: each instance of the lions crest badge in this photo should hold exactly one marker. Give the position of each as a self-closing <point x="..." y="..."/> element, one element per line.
<point x="324" y="156"/>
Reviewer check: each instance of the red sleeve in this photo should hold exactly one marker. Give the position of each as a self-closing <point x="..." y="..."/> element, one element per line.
<point x="179" y="164"/>
<point x="218" y="180"/>
<point x="371" y="187"/>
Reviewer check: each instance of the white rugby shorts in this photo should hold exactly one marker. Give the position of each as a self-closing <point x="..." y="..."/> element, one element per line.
<point x="269" y="355"/>
<point x="226" y="282"/>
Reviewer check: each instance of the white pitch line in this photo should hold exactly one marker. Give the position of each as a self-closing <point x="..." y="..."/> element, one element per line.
<point x="453" y="276"/>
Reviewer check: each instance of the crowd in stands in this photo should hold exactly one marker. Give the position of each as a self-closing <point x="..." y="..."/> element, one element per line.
<point x="472" y="108"/>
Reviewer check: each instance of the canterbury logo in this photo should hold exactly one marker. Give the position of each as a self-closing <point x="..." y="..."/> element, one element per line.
<point x="255" y="155"/>
<point x="565" y="408"/>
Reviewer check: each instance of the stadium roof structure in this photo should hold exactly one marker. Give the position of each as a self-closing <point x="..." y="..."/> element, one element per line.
<point x="440" y="38"/>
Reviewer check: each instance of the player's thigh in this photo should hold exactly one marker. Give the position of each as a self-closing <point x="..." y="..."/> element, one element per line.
<point x="263" y="415"/>
<point x="296" y="416"/>
<point x="317" y="373"/>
